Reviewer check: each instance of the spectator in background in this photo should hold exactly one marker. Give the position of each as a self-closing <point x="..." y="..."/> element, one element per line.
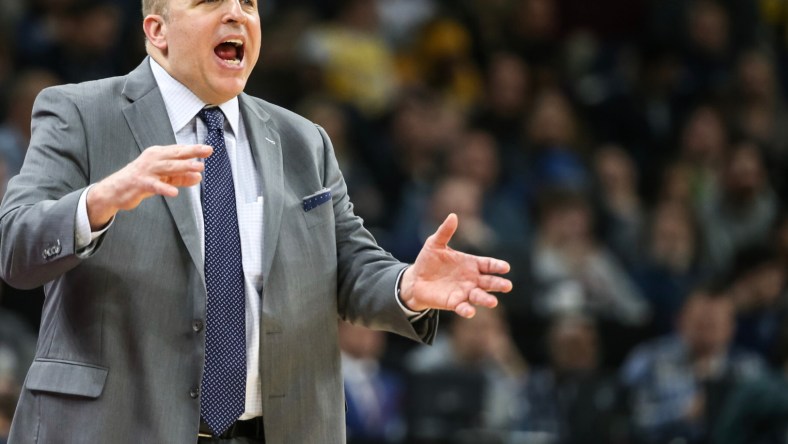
<point x="709" y="46"/>
<point x="477" y="158"/>
<point x="553" y="149"/>
<point x="676" y="183"/>
<point x="743" y="210"/>
<point x="759" y="291"/>
<point x="443" y="62"/>
<point x="703" y="142"/>
<point x="661" y="103"/>
<point x="619" y="200"/>
<point x="757" y="411"/>
<point x="482" y="345"/>
<point x="678" y="382"/>
<point x="401" y="20"/>
<point x="374" y="394"/>
<point x="485" y="20"/>
<point x="15" y="130"/>
<point x="504" y="105"/>
<point x="757" y="108"/>
<point x="572" y="400"/>
<point x="757" y="103"/>
<point x="423" y="128"/>
<point x="672" y="263"/>
<point x="532" y="28"/>
<point x="287" y="78"/>
<point x="357" y="64"/>
<point x="76" y="39"/>
<point x="572" y="271"/>
<point x="453" y="194"/>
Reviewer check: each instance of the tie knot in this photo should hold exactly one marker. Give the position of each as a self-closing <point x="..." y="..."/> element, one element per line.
<point x="212" y="117"/>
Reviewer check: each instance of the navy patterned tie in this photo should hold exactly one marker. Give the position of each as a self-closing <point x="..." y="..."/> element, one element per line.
<point x="224" y="378"/>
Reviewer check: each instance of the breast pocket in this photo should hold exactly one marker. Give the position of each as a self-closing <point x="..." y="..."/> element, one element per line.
<point x="319" y="215"/>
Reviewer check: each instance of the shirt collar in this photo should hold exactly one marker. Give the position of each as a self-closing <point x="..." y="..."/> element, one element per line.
<point x="183" y="105"/>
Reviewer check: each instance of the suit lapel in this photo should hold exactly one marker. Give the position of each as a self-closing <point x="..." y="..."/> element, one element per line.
<point x="150" y="125"/>
<point x="267" y="152"/>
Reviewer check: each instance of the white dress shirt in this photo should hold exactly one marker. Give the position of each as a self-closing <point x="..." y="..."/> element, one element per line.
<point x="182" y="108"/>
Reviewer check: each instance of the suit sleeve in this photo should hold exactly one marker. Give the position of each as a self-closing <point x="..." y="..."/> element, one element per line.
<point x="367" y="275"/>
<point x="38" y="212"/>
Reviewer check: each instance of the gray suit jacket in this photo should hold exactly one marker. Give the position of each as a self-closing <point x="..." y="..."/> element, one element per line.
<point x="121" y="346"/>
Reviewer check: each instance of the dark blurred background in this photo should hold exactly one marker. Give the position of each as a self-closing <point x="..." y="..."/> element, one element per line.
<point x="628" y="157"/>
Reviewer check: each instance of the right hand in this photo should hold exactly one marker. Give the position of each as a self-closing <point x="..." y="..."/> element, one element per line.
<point x="158" y="170"/>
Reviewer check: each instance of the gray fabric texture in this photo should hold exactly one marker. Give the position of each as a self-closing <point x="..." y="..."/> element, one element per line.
<point x="119" y="358"/>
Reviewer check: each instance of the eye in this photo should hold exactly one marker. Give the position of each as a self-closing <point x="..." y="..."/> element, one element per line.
<point x="248" y="2"/>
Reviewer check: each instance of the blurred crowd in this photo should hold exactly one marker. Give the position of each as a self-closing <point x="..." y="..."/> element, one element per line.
<point x="626" y="156"/>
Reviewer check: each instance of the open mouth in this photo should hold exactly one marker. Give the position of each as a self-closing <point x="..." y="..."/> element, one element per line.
<point x="231" y="51"/>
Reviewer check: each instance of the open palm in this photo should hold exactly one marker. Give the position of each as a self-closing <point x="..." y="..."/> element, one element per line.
<point x="447" y="279"/>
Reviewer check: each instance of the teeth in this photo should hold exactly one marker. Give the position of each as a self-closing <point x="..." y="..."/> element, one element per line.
<point x="233" y="62"/>
<point x="235" y="42"/>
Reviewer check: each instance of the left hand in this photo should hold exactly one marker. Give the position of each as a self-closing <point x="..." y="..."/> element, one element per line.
<point x="446" y="279"/>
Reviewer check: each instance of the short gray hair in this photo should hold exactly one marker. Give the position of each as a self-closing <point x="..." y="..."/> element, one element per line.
<point x="154" y="7"/>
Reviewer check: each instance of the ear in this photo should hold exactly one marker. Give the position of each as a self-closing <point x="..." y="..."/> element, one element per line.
<point x="155" y="31"/>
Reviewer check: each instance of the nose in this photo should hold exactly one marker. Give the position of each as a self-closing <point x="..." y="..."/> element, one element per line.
<point x="234" y="12"/>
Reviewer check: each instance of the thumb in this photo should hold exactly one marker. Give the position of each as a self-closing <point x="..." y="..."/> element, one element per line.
<point x="444" y="233"/>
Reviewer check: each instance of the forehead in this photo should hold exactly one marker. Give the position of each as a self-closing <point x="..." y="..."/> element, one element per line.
<point x="182" y="3"/>
<point x="174" y="3"/>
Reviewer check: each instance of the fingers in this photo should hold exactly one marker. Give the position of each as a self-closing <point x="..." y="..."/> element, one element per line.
<point x="465" y="310"/>
<point x="168" y="186"/>
<point x="165" y="168"/>
<point x="159" y="187"/>
<point x="197" y="151"/>
<point x="174" y="159"/>
<point x="494" y="283"/>
<point x="476" y="297"/>
<point x="489" y="265"/>
<point x="186" y="180"/>
<point x="180" y="151"/>
<point x="175" y="167"/>
<point x="444" y="233"/>
<point x="482" y="298"/>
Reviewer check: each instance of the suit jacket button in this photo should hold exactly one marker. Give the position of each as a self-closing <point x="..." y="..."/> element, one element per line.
<point x="197" y="326"/>
<point x="194" y="393"/>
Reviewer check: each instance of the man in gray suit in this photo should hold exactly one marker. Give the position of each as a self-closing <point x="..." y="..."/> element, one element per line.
<point x="193" y="290"/>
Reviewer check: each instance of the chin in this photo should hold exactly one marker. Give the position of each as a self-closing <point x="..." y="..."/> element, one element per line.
<point x="227" y="91"/>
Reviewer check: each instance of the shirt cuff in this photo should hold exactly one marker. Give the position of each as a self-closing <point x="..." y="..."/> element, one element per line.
<point x="413" y="316"/>
<point x="85" y="238"/>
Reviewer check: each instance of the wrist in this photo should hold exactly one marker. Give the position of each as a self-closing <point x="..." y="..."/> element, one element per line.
<point x="99" y="206"/>
<point x="405" y="291"/>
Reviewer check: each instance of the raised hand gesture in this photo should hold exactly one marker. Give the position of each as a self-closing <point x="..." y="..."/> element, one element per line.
<point x="446" y="279"/>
